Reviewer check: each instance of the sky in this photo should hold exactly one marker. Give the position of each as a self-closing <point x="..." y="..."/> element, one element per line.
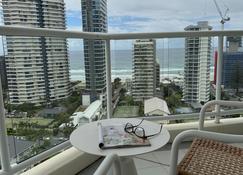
<point x="157" y="16"/>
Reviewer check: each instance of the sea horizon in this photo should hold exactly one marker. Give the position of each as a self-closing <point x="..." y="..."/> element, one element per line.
<point x="171" y="64"/>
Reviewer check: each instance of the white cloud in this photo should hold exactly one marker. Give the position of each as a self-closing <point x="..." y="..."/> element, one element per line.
<point x="75" y="44"/>
<point x="159" y="16"/>
<point x="167" y="15"/>
<point x="176" y="14"/>
<point x="73" y="5"/>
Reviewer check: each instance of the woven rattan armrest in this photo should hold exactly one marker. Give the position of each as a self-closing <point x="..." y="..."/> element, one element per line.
<point x="209" y="157"/>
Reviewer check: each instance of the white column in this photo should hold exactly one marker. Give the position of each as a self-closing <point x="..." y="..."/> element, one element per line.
<point x="219" y="75"/>
<point x="4" y="149"/>
<point x="108" y="79"/>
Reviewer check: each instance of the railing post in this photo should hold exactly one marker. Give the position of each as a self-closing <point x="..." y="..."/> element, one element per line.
<point x="219" y="75"/>
<point x="4" y="149"/>
<point x="108" y="79"/>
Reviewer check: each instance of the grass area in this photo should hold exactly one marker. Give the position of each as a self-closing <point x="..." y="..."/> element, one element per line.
<point x="38" y="120"/>
<point x="126" y="111"/>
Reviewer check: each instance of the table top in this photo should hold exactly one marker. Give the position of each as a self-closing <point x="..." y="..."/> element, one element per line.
<point x="85" y="137"/>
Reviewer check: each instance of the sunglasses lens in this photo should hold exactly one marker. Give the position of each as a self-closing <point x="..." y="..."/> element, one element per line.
<point x="139" y="132"/>
<point x="129" y="127"/>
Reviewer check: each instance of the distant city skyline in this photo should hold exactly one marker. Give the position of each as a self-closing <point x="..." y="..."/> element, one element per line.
<point x="156" y="16"/>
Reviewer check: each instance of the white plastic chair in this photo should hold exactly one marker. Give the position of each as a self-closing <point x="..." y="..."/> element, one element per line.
<point x="208" y="135"/>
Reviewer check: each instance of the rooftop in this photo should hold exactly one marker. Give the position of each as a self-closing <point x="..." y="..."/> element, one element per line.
<point x="155" y="103"/>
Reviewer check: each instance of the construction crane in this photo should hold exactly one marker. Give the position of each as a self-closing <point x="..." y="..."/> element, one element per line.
<point x="224" y="17"/>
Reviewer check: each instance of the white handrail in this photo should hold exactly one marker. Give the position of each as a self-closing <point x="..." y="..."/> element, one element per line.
<point x="157" y="35"/>
<point x="106" y="165"/>
<point x="216" y="102"/>
<point x="37" y="32"/>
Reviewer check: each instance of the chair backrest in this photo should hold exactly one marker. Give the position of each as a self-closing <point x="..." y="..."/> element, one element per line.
<point x="216" y="102"/>
<point x="203" y="134"/>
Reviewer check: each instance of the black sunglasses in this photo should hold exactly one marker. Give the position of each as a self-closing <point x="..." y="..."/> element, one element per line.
<point x="139" y="131"/>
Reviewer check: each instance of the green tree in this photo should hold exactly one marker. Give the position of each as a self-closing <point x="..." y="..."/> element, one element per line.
<point x="174" y="100"/>
<point x="129" y="100"/>
<point x="67" y="130"/>
<point x="27" y="107"/>
<point x="117" y="82"/>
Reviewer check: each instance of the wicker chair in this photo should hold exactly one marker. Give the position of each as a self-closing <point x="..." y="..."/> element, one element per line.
<point x="207" y="154"/>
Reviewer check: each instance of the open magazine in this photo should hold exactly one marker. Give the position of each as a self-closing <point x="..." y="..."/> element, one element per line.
<point x="114" y="136"/>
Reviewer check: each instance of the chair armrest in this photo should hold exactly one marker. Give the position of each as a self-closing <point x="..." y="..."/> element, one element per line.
<point x="106" y="165"/>
<point x="216" y="102"/>
<point x="197" y="133"/>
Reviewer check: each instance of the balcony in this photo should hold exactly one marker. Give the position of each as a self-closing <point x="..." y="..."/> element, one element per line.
<point x="68" y="160"/>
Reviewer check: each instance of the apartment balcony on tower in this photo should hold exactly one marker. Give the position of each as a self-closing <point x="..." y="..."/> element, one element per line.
<point x="158" y="93"/>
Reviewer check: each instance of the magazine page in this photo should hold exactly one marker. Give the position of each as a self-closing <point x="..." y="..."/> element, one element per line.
<point x="114" y="136"/>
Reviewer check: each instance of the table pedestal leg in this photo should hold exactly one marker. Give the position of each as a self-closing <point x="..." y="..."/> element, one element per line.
<point x="128" y="166"/>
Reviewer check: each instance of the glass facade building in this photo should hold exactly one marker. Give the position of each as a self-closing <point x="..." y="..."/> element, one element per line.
<point x="232" y="70"/>
<point x="94" y="19"/>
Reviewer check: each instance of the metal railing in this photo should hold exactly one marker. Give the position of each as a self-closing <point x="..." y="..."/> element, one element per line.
<point x="38" y="32"/>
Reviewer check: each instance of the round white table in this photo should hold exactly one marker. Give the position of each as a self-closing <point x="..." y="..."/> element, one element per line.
<point x="85" y="138"/>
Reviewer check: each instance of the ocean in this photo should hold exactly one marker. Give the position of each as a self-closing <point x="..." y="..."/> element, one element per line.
<point x="171" y="63"/>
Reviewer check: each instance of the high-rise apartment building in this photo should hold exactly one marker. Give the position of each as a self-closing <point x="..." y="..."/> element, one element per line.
<point x="230" y="58"/>
<point x="197" y="65"/>
<point x="233" y="65"/>
<point x="94" y="19"/>
<point x="144" y="69"/>
<point x="37" y="67"/>
<point x="232" y="70"/>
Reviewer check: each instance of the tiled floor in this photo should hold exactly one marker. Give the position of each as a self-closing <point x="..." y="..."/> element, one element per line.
<point x="154" y="163"/>
<point x="157" y="162"/>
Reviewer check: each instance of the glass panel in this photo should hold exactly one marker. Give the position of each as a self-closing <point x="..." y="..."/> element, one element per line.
<point x="179" y="72"/>
<point x="232" y="70"/>
<point x="122" y="72"/>
<point x="40" y="98"/>
<point x="2" y="68"/>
